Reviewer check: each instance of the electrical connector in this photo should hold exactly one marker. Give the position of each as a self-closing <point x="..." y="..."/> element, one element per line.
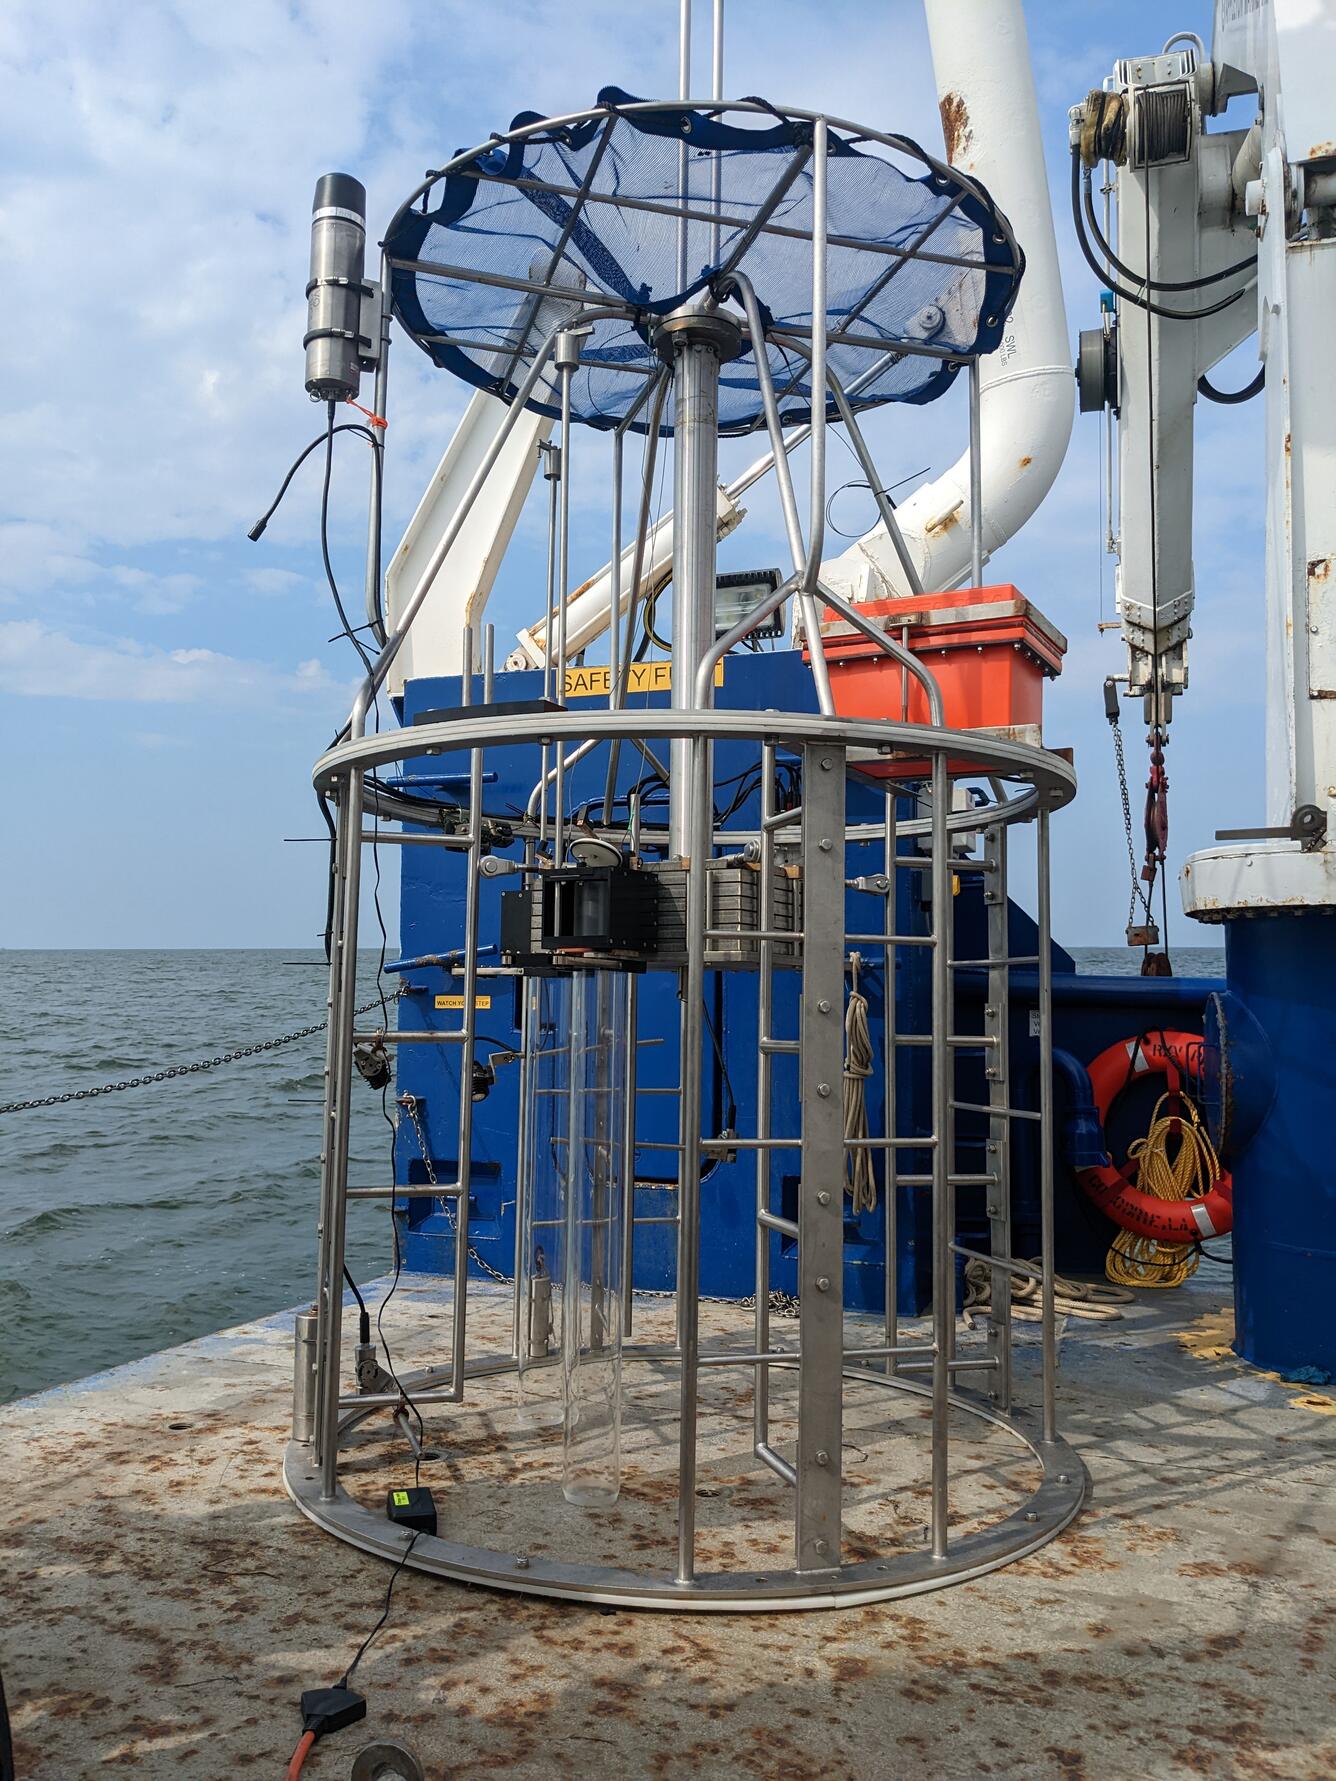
<point x="326" y="1710"/>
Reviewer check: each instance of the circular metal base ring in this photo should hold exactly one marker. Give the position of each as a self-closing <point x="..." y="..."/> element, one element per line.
<point x="1052" y="1506"/>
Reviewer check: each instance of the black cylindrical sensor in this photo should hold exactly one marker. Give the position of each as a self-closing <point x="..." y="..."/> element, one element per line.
<point x="336" y="288"/>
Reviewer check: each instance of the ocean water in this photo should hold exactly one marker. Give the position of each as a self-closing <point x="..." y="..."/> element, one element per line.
<point x="144" y="1218"/>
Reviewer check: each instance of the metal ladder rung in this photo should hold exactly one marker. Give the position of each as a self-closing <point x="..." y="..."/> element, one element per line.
<point x="773" y="1222"/>
<point x="1003" y="964"/>
<point x="1024" y="1269"/>
<point x="417" y="1190"/>
<point x="776" y="1047"/>
<point x="996" y="1112"/>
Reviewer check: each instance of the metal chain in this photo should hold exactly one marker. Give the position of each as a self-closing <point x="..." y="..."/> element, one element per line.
<point x="410" y="1105"/>
<point x="208" y="1063"/>
<point x="1127" y="828"/>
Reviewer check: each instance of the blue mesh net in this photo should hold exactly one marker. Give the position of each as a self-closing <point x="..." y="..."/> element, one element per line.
<point x="914" y="260"/>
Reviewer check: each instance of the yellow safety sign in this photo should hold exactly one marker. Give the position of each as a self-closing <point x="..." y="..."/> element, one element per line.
<point x="457" y="1002"/>
<point x="646" y="677"/>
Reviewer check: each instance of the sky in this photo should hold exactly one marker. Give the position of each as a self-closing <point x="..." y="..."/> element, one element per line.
<point x="166" y="684"/>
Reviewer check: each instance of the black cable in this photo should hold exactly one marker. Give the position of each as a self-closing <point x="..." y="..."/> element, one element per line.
<point x="1104" y="277"/>
<point x="1153" y="284"/>
<point x="1221" y="1261"/>
<point x="323" y="808"/>
<point x="861" y="483"/>
<point x="7" y="1770"/>
<point x="257" y="530"/>
<point x="394" y="1215"/>
<point x="363" y="1315"/>
<point x="731" y="1113"/>
<point x="384" y="1614"/>
<point x="344" y="620"/>
<point x="1229" y="398"/>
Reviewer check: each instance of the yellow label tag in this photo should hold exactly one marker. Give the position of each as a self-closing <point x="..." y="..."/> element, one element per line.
<point x="645" y="677"/>
<point x="400" y="1499"/>
<point x="457" y="1002"/>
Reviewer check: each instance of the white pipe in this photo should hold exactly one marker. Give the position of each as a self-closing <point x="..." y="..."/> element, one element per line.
<point x="990" y="122"/>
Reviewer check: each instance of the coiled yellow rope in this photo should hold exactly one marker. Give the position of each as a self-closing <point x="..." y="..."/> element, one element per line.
<point x="1191" y="1172"/>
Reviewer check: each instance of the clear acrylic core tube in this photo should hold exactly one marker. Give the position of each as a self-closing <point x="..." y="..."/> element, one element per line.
<point x="591" y="1338"/>
<point x="543" y="1205"/>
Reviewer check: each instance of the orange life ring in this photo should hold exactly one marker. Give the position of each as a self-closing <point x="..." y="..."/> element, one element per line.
<point x="1173" y="1056"/>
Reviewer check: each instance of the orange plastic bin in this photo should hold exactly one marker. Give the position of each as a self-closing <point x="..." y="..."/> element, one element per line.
<point x="988" y="648"/>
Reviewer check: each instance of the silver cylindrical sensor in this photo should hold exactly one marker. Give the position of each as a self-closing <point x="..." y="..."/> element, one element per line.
<point x="337" y="284"/>
<point x="303" y="1375"/>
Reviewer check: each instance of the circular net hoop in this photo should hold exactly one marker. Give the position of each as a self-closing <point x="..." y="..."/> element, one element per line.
<point x="633" y="208"/>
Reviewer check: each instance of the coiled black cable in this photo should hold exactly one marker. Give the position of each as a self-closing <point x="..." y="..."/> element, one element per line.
<point x="1121" y="291"/>
<point x="1151" y="284"/>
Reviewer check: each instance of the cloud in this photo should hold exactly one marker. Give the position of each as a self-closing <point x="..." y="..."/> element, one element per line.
<point x="42" y="663"/>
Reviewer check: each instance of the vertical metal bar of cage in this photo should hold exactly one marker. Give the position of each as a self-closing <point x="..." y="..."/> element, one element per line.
<point x="554" y="473"/>
<point x="716" y="92"/>
<point x="523" y="1176"/>
<point x="683" y="160"/>
<point x="464" y="1147"/>
<point x="488" y="663"/>
<point x="334" y="1149"/>
<point x="821" y="1180"/>
<point x="1048" y="1325"/>
<point x="943" y="1262"/>
<point x="627" y="1183"/>
<point x="976" y="479"/>
<point x="816" y="520"/>
<point x="375" y="616"/>
<point x="567" y="357"/>
<point x="688" y="1137"/>
<point x="615" y="574"/>
<point x="997" y="1029"/>
<point x="890" y="1163"/>
<point x="765" y="1011"/>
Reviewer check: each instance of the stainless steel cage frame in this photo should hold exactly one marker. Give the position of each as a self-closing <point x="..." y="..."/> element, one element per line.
<point x="1027" y="785"/>
<point x="1036" y="784"/>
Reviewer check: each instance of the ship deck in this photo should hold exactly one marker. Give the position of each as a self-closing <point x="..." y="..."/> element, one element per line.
<point x="166" y="1602"/>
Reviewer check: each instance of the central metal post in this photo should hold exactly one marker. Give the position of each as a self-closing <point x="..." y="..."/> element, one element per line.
<point x="695" y="341"/>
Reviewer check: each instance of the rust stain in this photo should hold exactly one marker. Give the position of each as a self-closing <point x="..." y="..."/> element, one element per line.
<point x="957" y="131"/>
<point x="1025" y="462"/>
<point x="1319" y="569"/>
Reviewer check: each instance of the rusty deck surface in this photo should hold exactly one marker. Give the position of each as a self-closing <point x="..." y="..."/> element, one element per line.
<point x="166" y="1604"/>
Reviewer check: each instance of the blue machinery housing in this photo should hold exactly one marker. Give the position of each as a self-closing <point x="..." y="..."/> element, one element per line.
<point x="1089" y="1013"/>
